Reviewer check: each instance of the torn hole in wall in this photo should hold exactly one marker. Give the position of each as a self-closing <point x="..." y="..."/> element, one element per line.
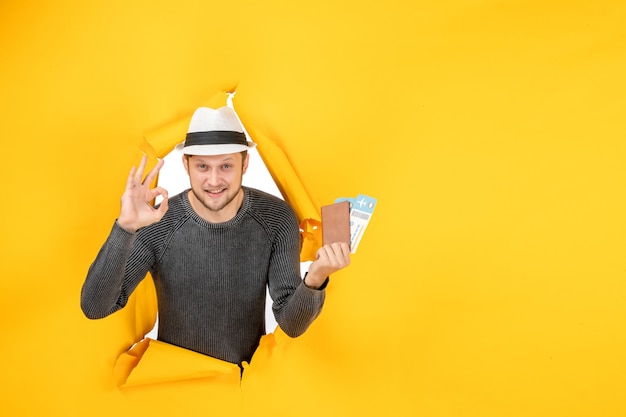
<point x="174" y="179"/>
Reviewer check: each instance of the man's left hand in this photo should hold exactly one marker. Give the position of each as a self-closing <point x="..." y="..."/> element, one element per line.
<point x="328" y="259"/>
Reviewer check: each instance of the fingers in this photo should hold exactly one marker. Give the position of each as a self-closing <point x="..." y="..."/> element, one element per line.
<point x="154" y="172"/>
<point x="330" y="259"/>
<point x="336" y="255"/>
<point x="158" y="191"/>
<point x="136" y="174"/>
<point x="130" y="179"/>
<point x="163" y="205"/>
<point x="139" y="173"/>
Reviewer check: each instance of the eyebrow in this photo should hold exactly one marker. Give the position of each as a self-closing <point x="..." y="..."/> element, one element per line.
<point x="225" y="159"/>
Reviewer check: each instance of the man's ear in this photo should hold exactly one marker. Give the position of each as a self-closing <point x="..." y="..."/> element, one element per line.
<point x="186" y="163"/>
<point x="245" y="163"/>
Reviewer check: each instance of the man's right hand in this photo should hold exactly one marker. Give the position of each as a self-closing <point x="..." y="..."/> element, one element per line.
<point x="137" y="210"/>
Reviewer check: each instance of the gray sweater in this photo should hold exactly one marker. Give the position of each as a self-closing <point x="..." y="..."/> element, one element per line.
<point x="210" y="278"/>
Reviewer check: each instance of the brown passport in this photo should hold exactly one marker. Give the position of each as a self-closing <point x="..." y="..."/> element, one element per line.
<point x="336" y="223"/>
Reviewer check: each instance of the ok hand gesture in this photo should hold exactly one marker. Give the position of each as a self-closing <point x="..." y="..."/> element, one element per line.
<point x="137" y="210"/>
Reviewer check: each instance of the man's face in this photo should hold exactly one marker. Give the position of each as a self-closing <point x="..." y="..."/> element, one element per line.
<point x="216" y="184"/>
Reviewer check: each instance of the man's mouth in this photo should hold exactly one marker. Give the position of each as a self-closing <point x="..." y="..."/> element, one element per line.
<point x="216" y="192"/>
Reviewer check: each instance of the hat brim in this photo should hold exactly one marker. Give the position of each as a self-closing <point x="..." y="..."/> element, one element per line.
<point x="207" y="150"/>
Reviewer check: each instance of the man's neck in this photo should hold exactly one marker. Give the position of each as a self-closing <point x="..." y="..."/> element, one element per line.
<point x="217" y="216"/>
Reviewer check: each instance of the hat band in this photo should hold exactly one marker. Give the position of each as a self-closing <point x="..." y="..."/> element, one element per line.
<point x="216" y="137"/>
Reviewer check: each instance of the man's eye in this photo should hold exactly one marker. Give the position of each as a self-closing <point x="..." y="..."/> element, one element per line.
<point x="226" y="166"/>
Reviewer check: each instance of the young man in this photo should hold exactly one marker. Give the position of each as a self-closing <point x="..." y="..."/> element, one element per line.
<point x="212" y="250"/>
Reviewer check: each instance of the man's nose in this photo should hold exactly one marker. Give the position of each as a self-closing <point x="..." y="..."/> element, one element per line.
<point x="213" y="177"/>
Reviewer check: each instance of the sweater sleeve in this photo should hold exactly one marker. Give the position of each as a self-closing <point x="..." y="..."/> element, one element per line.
<point x="295" y="305"/>
<point x="113" y="276"/>
<point x="303" y="307"/>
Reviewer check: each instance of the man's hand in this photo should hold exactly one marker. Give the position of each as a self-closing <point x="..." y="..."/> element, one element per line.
<point x="137" y="210"/>
<point x="328" y="259"/>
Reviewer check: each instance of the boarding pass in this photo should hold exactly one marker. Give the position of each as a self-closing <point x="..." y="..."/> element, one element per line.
<point x="361" y="209"/>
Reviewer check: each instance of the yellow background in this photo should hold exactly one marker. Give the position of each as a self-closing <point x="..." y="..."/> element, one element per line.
<point x="492" y="278"/>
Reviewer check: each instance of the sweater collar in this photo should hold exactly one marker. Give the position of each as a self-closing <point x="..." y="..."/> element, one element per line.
<point x="245" y="205"/>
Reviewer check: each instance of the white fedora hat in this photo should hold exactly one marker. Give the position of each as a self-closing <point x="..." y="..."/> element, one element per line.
<point x="214" y="132"/>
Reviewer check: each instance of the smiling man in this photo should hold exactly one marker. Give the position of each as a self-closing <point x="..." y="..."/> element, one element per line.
<point x="212" y="250"/>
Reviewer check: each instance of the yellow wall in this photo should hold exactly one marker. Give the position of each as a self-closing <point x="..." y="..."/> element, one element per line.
<point x="492" y="279"/>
